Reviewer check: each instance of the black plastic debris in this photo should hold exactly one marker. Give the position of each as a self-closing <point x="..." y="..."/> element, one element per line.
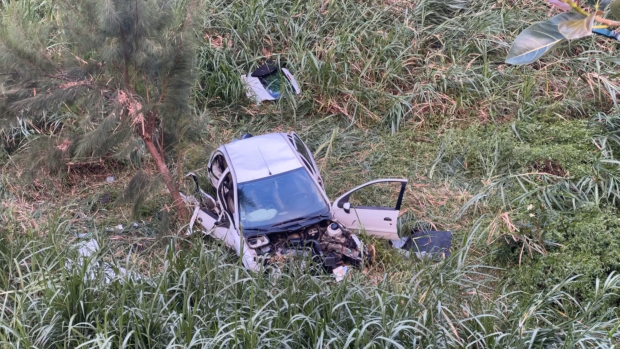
<point x="433" y="244"/>
<point x="105" y="198"/>
<point x="265" y="70"/>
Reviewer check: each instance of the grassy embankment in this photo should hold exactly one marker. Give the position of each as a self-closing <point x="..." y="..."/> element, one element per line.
<point x="517" y="161"/>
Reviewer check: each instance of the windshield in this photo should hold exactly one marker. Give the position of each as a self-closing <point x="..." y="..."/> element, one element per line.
<point x="276" y="200"/>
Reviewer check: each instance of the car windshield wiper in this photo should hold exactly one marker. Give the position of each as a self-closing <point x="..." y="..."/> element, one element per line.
<point x="294" y="220"/>
<point x="299" y="220"/>
<point x="260" y="230"/>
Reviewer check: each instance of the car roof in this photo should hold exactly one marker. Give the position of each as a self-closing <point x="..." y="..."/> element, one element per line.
<point x="261" y="156"/>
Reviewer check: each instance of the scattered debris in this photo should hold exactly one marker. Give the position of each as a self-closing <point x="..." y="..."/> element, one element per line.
<point x="105" y="198"/>
<point x="110" y="179"/>
<point x="611" y="34"/>
<point x="137" y="247"/>
<point x="340" y="273"/>
<point x="268" y="82"/>
<point x="425" y="244"/>
<point x="88" y="248"/>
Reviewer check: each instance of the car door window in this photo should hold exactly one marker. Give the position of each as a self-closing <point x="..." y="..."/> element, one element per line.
<point x="306" y="157"/>
<point x="375" y="207"/>
<point x="386" y="195"/>
<point x="218" y="165"/>
<point x="377" y="195"/>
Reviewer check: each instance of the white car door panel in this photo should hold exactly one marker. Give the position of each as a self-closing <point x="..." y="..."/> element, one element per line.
<point x="229" y="235"/>
<point x="206" y="220"/>
<point x="233" y="239"/>
<point x="379" y="221"/>
<point x="374" y="221"/>
<point x="216" y="167"/>
<point x="226" y="232"/>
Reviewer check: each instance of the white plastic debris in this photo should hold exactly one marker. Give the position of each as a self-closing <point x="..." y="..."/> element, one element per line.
<point x="340" y="273"/>
<point x="119" y="227"/>
<point x="400" y="243"/>
<point x="110" y="179"/>
<point x="358" y="243"/>
<point x="86" y="250"/>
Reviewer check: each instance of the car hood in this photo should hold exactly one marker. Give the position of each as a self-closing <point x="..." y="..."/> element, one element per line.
<point x="287" y="227"/>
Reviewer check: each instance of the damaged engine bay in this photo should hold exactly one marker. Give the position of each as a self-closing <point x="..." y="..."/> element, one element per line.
<point x="325" y="243"/>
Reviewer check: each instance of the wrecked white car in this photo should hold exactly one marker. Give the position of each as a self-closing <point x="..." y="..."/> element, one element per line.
<point x="271" y="204"/>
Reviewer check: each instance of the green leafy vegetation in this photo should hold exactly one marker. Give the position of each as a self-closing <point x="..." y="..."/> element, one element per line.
<point x="541" y="37"/>
<point x="123" y="70"/>
<point x="519" y="162"/>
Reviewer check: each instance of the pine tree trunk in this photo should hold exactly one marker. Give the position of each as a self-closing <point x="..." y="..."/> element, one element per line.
<point x="179" y="204"/>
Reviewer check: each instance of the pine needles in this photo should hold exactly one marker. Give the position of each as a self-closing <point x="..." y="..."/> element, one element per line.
<point x="123" y="69"/>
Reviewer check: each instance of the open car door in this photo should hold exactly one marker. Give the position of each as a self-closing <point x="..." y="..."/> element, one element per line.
<point x="205" y="207"/>
<point x="373" y="207"/>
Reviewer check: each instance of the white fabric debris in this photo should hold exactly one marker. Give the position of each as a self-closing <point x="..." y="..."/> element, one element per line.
<point x="256" y="91"/>
<point x="87" y="249"/>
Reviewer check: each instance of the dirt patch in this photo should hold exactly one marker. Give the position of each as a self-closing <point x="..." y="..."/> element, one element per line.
<point x="551" y="167"/>
<point x="92" y="172"/>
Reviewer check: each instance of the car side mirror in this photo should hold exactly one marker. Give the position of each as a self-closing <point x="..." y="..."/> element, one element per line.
<point x="347" y="207"/>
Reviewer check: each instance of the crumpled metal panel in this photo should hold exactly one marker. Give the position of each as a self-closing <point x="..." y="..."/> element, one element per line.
<point x="261" y="156"/>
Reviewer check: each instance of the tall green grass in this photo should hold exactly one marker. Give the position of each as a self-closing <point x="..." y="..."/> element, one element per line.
<point x="200" y="297"/>
<point x="390" y="89"/>
<point x="426" y="63"/>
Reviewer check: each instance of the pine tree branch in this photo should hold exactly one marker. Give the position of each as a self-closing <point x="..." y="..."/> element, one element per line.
<point x="126" y="57"/>
<point x="105" y="91"/>
<point x="177" y="56"/>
